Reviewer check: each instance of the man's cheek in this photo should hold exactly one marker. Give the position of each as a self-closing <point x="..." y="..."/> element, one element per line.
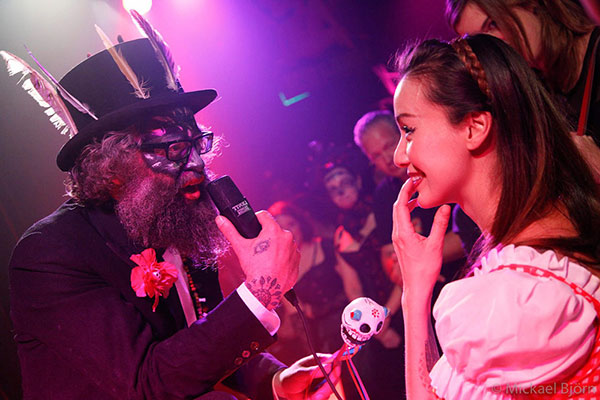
<point x="162" y="165"/>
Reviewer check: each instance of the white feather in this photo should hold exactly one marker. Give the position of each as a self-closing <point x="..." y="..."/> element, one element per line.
<point x="78" y="105"/>
<point x="161" y="48"/>
<point x="42" y="92"/>
<point x="123" y="65"/>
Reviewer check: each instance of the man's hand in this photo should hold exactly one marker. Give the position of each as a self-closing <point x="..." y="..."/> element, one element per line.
<point x="269" y="261"/>
<point x="292" y="383"/>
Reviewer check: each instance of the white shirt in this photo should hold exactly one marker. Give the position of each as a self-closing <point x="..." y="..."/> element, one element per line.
<point x="512" y="328"/>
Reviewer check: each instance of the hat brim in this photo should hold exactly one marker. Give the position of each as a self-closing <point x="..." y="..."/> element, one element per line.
<point x="124" y="117"/>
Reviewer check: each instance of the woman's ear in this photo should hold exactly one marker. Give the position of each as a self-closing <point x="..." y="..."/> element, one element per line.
<point x="478" y="131"/>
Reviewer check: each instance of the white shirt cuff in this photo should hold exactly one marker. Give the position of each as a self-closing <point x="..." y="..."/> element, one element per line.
<point x="269" y="319"/>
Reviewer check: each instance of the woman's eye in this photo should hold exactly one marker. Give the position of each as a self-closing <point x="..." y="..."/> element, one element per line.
<point x="407" y="130"/>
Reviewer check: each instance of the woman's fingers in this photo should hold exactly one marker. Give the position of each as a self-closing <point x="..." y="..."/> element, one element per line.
<point x="412" y="204"/>
<point x="440" y="224"/>
<point x="402" y="208"/>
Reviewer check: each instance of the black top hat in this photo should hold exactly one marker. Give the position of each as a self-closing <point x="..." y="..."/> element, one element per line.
<point x="98" y="83"/>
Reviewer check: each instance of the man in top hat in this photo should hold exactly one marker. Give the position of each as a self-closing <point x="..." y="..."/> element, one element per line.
<point x="115" y="294"/>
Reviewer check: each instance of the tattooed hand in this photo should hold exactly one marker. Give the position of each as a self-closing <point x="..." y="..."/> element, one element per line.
<point x="266" y="290"/>
<point x="270" y="260"/>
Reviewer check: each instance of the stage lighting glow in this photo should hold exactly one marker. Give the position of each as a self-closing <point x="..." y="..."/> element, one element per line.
<point x="141" y="6"/>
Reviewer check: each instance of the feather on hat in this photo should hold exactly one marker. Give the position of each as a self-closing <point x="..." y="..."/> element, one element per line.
<point x="103" y="86"/>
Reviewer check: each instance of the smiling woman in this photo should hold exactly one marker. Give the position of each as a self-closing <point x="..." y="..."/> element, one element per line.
<point x="480" y="130"/>
<point x="426" y="130"/>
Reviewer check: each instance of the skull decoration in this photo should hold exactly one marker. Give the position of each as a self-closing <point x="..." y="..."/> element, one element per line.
<point x="362" y="319"/>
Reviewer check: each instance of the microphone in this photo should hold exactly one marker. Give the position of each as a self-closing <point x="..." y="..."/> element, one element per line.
<point x="235" y="207"/>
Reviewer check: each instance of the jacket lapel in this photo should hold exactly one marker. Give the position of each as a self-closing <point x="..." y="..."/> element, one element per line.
<point x="108" y="226"/>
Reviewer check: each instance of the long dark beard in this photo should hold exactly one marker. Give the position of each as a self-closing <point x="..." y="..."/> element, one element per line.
<point x="155" y="215"/>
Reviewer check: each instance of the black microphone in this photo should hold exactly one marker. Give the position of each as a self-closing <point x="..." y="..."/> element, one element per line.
<point x="235" y="207"/>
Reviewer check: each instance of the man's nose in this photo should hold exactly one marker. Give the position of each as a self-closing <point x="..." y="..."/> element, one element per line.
<point x="194" y="162"/>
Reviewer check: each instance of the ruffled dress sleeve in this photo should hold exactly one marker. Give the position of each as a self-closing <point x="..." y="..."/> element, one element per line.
<point x="503" y="328"/>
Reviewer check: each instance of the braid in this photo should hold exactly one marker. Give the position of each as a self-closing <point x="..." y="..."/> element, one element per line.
<point x="469" y="58"/>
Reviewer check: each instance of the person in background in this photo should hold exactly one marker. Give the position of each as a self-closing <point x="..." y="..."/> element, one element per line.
<point x="380" y="361"/>
<point x="325" y="285"/>
<point x="355" y="237"/>
<point x="479" y="129"/>
<point x="558" y="39"/>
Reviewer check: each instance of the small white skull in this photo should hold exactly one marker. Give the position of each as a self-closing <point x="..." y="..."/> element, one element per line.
<point x="362" y="319"/>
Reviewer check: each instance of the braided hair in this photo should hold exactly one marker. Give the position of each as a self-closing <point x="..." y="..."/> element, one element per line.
<point x="468" y="57"/>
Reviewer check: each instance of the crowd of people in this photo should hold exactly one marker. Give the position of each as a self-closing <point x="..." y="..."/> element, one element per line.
<point x="476" y="226"/>
<point x="355" y="257"/>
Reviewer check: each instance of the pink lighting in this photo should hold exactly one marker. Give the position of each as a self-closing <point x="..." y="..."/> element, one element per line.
<point x="141" y="6"/>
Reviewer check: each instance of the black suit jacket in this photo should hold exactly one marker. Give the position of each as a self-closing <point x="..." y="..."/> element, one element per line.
<point x="82" y="332"/>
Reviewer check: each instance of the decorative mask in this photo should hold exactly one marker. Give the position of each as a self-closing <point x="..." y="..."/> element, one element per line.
<point x="362" y="319"/>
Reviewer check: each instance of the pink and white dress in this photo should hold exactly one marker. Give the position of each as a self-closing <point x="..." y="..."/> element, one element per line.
<point x="525" y="325"/>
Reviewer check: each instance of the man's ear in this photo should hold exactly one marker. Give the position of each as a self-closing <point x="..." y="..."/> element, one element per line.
<point x="359" y="182"/>
<point x="478" y="135"/>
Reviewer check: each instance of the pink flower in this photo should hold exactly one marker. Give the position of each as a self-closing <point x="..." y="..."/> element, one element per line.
<point x="152" y="278"/>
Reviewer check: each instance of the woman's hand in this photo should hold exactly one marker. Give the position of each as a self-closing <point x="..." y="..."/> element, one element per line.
<point x="420" y="257"/>
<point x="420" y="260"/>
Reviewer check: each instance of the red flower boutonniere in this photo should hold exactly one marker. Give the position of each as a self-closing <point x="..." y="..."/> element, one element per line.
<point x="152" y="278"/>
